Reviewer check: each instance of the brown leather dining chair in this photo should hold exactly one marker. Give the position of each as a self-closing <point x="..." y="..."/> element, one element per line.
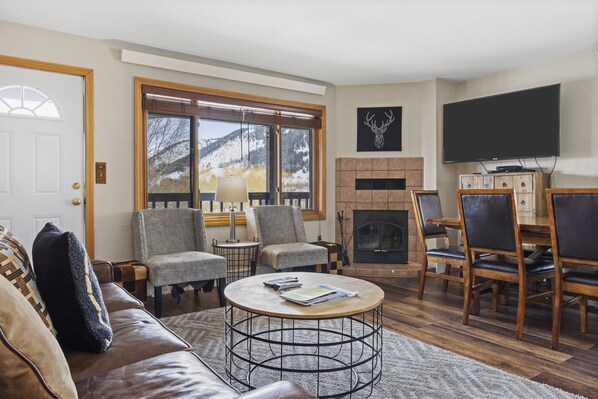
<point x="426" y="204"/>
<point x="489" y="225"/>
<point x="573" y="217"/>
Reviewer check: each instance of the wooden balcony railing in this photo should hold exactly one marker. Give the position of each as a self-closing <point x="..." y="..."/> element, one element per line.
<point x="207" y="203"/>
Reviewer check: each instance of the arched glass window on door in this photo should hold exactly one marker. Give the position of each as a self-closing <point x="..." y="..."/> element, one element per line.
<point x="16" y="100"/>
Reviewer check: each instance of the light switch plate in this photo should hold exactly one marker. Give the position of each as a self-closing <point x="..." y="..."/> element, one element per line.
<point x="100" y="172"/>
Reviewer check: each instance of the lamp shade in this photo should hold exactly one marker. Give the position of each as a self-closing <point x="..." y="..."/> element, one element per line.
<point x="231" y="189"/>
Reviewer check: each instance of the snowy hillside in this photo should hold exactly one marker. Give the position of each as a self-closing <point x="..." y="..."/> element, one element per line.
<point x="234" y="148"/>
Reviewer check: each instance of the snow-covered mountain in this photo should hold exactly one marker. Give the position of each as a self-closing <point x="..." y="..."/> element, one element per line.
<point x="248" y="148"/>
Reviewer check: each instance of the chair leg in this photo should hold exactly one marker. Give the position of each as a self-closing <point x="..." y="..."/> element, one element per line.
<point x="475" y="307"/>
<point x="447" y="271"/>
<point x="158" y="302"/>
<point x="521" y="309"/>
<point x="583" y="314"/>
<point x="557" y="306"/>
<point x="422" y="278"/>
<point x="466" y="296"/>
<point x="221" y="287"/>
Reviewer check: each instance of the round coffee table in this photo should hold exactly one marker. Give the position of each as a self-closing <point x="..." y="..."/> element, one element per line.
<point x="332" y="349"/>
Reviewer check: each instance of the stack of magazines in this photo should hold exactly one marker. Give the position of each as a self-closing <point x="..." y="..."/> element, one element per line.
<point x="319" y="294"/>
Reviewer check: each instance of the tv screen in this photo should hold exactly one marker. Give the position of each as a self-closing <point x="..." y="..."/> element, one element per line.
<point x="521" y="124"/>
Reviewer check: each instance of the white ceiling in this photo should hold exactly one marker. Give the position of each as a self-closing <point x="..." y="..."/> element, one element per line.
<point x="343" y="42"/>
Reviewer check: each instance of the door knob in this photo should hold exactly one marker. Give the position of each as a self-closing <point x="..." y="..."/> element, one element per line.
<point x="76" y="185"/>
<point x="76" y="201"/>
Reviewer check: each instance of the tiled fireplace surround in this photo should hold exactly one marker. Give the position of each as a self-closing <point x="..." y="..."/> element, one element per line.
<point x="349" y="199"/>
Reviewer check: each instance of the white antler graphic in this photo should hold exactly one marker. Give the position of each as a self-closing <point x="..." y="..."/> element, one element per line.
<point x="379" y="130"/>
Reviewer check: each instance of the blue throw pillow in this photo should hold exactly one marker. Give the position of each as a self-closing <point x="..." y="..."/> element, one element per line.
<point x="68" y="284"/>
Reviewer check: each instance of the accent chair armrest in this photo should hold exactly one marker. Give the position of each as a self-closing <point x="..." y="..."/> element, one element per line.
<point x="278" y="390"/>
<point x="103" y="270"/>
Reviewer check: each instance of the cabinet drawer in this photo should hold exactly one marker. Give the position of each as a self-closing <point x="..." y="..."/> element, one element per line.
<point x="523" y="183"/>
<point x="503" y="182"/>
<point x="488" y="182"/>
<point x="525" y="202"/>
<point x="467" y="182"/>
<point x="478" y="182"/>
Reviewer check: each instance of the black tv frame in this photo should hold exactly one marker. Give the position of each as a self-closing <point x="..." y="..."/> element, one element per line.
<point x="523" y="156"/>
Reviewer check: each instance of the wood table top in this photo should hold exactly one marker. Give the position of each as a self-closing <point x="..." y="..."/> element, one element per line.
<point x="539" y="224"/>
<point x="534" y="229"/>
<point x="252" y="295"/>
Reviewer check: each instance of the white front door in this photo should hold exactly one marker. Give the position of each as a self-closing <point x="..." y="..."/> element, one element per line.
<point x="41" y="151"/>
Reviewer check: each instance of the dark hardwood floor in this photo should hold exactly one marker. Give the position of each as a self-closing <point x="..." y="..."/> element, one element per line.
<point x="489" y="338"/>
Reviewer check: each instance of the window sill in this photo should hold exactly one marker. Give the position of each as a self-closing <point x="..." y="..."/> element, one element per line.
<point x="222" y="219"/>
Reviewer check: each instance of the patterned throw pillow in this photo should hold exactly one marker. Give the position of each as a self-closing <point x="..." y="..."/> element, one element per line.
<point x="15" y="266"/>
<point x="33" y="364"/>
<point x="70" y="287"/>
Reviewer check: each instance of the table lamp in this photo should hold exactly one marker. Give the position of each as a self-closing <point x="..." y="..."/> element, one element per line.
<point x="231" y="189"/>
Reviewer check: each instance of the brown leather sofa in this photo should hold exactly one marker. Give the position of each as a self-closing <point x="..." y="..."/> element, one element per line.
<point x="147" y="360"/>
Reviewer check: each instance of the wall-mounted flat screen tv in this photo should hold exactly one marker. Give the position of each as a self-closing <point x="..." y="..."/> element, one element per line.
<point x="521" y="124"/>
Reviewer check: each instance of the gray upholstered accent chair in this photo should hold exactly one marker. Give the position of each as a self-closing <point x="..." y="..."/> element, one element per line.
<point x="172" y="244"/>
<point x="281" y="233"/>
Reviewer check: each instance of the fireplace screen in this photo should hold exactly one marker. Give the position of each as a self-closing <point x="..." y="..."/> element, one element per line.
<point x="380" y="236"/>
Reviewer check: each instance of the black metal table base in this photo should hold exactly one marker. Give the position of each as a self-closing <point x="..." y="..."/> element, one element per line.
<point x="329" y="357"/>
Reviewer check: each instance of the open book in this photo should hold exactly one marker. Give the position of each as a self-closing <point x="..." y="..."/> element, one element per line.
<point x="317" y="294"/>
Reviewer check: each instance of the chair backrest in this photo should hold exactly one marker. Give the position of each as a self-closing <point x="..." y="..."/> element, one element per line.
<point x="167" y="231"/>
<point x="489" y="221"/>
<point x="275" y="224"/>
<point x="426" y="205"/>
<point x="573" y="217"/>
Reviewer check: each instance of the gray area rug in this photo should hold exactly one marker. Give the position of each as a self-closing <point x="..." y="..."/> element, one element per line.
<point x="411" y="369"/>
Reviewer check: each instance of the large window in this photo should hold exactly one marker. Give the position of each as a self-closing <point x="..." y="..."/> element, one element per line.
<point x="186" y="139"/>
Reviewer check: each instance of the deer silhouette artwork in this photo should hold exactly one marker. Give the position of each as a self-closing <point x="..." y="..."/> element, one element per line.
<point x="378" y="130"/>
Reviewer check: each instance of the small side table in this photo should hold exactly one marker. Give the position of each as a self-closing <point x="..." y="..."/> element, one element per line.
<point x="240" y="256"/>
<point x="335" y="261"/>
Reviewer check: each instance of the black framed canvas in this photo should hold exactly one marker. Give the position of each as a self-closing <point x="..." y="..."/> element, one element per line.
<point x="379" y="129"/>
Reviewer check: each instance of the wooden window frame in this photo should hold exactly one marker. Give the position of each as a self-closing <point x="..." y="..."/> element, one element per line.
<point x="216" y="219"/>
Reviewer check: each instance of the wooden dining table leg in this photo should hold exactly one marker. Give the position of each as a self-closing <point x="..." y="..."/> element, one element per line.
<point x="495" y="299"/>
<point x="422" y="278"/>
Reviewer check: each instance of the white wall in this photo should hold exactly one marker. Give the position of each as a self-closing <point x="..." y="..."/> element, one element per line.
<point x="349" y="98"/>
<point x="114" y="123"/>
<point x="446" y="174"/>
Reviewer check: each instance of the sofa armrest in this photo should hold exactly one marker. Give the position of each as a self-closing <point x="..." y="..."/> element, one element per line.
<point x="278" y="390"/>
<point x="103" y="270"/>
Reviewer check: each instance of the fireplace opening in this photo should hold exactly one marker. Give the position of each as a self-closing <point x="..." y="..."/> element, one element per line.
<point x="380" y="236"/>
